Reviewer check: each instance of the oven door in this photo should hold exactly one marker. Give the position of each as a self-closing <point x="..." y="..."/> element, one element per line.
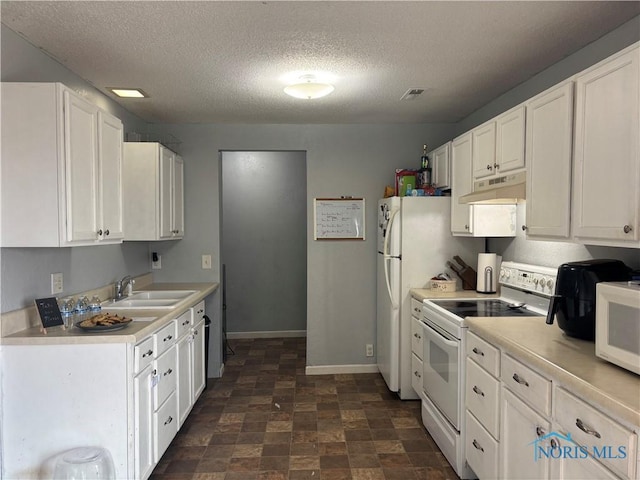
<point x="440" y="370"/>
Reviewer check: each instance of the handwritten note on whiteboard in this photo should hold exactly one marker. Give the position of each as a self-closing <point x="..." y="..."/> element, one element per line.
<point x="338" y="218"/>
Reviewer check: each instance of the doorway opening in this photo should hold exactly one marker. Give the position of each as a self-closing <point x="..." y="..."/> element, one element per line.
<point x="264" y="243"/>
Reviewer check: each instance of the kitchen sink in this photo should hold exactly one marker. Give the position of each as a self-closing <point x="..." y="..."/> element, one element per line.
<point x="160" y="294"/>
<point x="149" y="299"/>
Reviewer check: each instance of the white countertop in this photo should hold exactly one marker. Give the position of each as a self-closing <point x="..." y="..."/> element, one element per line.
<point x="428" y="294"/>
<point x="568" y="361"/>
<point x="132" y="333"/>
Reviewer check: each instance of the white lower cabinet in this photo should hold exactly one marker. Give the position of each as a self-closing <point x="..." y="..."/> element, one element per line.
<point x="191" y="356"/>
<point x="522" y="432"/>
<point x="416" y="346"/>
<point x="185" y="386"/>
<point x="116" y="395"/>
<point x="522" y="425"/>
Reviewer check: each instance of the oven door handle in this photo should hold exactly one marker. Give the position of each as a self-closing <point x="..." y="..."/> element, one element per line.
<point x="445" y="340"/>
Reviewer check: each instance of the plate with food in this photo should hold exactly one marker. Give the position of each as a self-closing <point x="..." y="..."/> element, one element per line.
<point x="102" y="322"/>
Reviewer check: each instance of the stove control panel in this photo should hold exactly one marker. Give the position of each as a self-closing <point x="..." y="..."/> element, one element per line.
<point x="530" y="278"/>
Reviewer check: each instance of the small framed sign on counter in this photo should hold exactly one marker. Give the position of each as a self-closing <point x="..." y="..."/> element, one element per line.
<point x="338" y="218"/>
<point x="49" y="312"/>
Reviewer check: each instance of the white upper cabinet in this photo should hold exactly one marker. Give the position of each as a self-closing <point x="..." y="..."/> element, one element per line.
<point x="441" y="158"/>
<point x="461" y="184"/>
<point x="484" y="150"/>
<point x="498" y="145"/>
<point x="61" y="168"/>
<point x="548" y="153"/>
<point x="153" y="192"/>
<point x="606" y="170"/>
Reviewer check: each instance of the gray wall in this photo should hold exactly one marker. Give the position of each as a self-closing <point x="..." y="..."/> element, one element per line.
<point x="356" y="160"/>
<point x="25" y="271"/>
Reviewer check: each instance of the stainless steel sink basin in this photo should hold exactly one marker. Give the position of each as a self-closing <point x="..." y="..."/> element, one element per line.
<point x="160" y="294"/>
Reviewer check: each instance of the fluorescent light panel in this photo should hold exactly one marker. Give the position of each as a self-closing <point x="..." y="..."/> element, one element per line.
<point x="128" y="92"/>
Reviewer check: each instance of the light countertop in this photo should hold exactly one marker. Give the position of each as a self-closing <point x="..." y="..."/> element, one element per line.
<point x="427" y="294"/>
<point x="132" y="333"/>
<point x="567" y="361"/>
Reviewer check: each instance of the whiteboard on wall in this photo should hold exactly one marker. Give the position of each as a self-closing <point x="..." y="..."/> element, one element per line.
<point x="338" y="218"/>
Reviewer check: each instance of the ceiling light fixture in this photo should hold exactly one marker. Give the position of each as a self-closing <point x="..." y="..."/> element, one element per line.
<point x="127" y="92"/>
<point x="309" y="88"/>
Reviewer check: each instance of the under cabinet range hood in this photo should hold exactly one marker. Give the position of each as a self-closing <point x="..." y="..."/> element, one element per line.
<point x="503" y="190"/>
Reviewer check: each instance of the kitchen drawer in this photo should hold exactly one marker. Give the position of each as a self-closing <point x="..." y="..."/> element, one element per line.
<point x="165" y="426"/>
<point x="482" y="393"/>
<point x="593" y="429"/>
<point x="530" y="386"/>
<point x="416" y="374"/>
<point x="416" y="337"/>
<point x="481" y="450"/>
<point x="485" y="354"/>
<point x="166" y="372"/>
<point x="416" y="308"/>
<point x="164" y="338"/>
<point x="198" y="312"/>
<point x="183" y="323"/>
<point x="143" y="354"/>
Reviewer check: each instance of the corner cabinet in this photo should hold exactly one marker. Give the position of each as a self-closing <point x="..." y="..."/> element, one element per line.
<point x="606" y="170"/>
<point x="61" y="169"/>
<point x="153" y="192"/>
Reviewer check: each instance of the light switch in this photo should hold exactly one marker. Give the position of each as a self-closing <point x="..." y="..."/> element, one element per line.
<point x="206" y="262"/>
<point x="57" y="285"/>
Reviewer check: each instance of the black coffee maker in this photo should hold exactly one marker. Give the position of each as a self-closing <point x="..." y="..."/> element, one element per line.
<point x="574" y="302"/>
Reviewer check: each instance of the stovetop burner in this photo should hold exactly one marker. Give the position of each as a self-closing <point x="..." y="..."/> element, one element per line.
<point x="484" y="308"/>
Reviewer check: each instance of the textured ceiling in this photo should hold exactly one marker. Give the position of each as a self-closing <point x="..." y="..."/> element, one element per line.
<point x="225" y="62"/>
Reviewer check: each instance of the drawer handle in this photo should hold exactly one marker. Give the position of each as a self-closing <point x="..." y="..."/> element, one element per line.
<point x="478" y="391"/>
<point x="186" y="322"/>
<point x="477" y="351"/>
<point x="168" y="372"/>
<point x="417" y="374"/>
<point x="586" y="429"/>
<point x="417" y="336"/>
<point x="195" y="332"/>
<point x="168" y="421"/>
<point x="147" y="353"/>
<point x="167" y="338"/>
<point x="477" y="445"/>
<point x="521" y="381"/>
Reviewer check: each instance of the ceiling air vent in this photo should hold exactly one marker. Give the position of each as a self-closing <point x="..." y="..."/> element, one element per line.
<point x="412" y="94"/>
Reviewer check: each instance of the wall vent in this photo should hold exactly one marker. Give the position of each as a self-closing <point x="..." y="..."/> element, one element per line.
<point x="412" y="94"/>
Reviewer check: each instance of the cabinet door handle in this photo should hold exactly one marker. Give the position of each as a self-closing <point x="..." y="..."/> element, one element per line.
<point x="478" y="391"/>
<point x="586" y="429"/>
<point x="477" y="351"/>
<point x="147" y="353"/>
<point x="627" y="228"/>
<point x="168" y="421"/>
<point x="99" y="232"/>
<point x="477" y="445"/>
<point x="496" y="166"/>
<point x="489" y="167"/>
<point x="554" y="443"/>
<point x="521" y="381"/>
<point x="106" y="232"/>
<point x="195" y="332"/>
<point x="466" y="227"/>
<point x="167" y="338"/>
<point x="417" y="336"/>
<point x="168" y="372"/>
<point x="524" y="228"/>
<point x="186" y="322"/>
<point x="539" y="432"/>
<point x="417" y="374"/>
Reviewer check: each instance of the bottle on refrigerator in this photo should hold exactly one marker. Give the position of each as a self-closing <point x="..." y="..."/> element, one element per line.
<point x="424" y="174"/>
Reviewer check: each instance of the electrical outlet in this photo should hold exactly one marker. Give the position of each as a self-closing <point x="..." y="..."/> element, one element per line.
<point x="369" y="350"/>
<point x="206" y="262"/>
<point x="57" y="284"/>
<point x="157" y="263"/>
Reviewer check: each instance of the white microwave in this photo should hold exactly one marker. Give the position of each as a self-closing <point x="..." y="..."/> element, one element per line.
<point x="618" y="324"/>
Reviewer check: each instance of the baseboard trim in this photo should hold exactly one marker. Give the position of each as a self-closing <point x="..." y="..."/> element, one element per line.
<point x="340" y="369"/>
<point x="268" y="334"/>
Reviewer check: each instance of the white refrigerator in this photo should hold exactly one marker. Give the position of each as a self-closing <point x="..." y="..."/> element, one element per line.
<point x="414" y="243"/>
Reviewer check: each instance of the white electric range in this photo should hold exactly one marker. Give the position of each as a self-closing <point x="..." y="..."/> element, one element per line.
<point x="525" y="292"/>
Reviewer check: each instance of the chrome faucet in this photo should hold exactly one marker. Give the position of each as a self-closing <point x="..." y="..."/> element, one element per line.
<point x="121" y="285"/>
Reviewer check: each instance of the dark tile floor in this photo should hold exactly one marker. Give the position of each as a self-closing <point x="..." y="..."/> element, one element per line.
<point x="265" y="419"/>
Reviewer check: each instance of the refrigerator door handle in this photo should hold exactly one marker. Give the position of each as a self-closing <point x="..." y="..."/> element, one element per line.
<point x="386" y="257"/>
